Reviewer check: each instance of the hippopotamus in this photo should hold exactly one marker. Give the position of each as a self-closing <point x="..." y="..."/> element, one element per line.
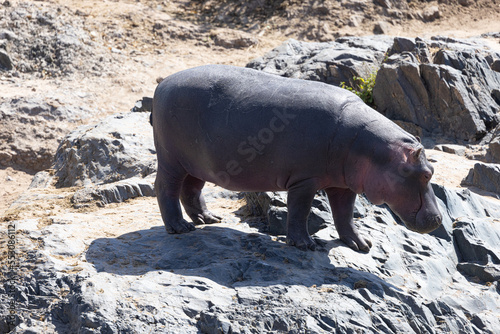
<point x="246" y="130"/>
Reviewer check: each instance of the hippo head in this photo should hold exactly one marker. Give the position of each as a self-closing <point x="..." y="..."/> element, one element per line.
<point x="402" y="181"/>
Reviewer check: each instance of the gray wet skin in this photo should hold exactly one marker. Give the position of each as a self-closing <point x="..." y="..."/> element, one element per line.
<point x="246" y="130"/>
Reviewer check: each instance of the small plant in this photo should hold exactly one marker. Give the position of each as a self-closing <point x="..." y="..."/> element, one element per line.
<point x="363" y="88"/>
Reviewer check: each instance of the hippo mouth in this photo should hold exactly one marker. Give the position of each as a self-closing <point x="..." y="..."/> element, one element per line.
<point x="427" y="218"/>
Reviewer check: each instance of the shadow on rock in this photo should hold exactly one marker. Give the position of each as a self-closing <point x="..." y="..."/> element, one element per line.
<point x="226" y="256"/>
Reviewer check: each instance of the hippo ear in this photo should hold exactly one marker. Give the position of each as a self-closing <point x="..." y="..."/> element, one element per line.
<point x="417" y="153"/>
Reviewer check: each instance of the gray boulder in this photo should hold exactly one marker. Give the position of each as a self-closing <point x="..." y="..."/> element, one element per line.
<point x="271" y="207"/>
<point x="477" y="249"/>
<point x="115" y="192"/>
<point x="5" y="61"/>
<point x="493" y="146"/>
<point x="117" y="148"/>
<point x="330" y="62"/>
<point x="143" y="105"/>
<point x="494" y="149"/>
<point x="452" y="149"/>
<point x="451" y="94"/>
<point x="484" y="176"/>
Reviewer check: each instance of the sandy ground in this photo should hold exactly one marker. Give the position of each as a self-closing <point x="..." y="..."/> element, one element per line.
<point x="154" y="59"/>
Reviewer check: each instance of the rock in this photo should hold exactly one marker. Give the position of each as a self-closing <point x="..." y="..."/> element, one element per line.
<point x="31" y="128"/>
<point x="117" y="148"/>
<point x="5" y="62"/>
<point x="383" y="3"/>
<point x="466" y="3"/>
<point x="477" y="152"/>
<point x="400" y="45"/>
<point x="436" y="94"/>
<point x="495" y="65"/>
<point x="115" y="192"/>
<point x="50" y="43"/>
<point x="230" y="39"/>
<point x="381" y="28"/>
<point x="493" y="146"/>
<point x="7" y="34"/>
<point x="143" y="105"/>
<point x="494" y="150"/>
<point x="411" y="128"/>
<point x="271" y="206"/>
<point x="477" y="246"/>
<point x="42" y="179"/>
<point x="431" y="13"/>
<point x="485" y="176"/>
<point x="330" y="62"/>
<point x="453" y="149"/>
<point x="460" y="203"/>
<point x="440" y="97"/>
<point x="392" y="4"/>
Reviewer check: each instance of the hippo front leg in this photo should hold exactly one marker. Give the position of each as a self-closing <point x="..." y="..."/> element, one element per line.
<point x="342" y="204"/>
<point x="299" y="202"/>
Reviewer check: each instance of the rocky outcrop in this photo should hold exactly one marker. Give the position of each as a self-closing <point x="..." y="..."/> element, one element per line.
<point x="47" y="43"/>
<point x="452" y="92"/>
<point x="332" y="62"/>
<point x="492" y="143"/>
<point x="115" y="192"/>
<point x="485" y="176"/>
<point x="117" y="148"/>
<point x="31" y="128"/>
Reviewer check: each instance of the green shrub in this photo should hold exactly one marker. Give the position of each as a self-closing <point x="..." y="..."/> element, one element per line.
<point x="363" y="87"/>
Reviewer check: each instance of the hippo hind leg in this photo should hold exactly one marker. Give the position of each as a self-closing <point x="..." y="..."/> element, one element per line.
<point x="168" y="186"/>
<point x="194" y="203"/>
<point x="342" y="204"/>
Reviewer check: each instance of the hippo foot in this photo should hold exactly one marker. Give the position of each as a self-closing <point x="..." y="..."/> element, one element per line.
<point x="180" y="226"/>
<point x="303" y="243"/>
<point x="205" y="218"/>
<point x="357" y="242"/>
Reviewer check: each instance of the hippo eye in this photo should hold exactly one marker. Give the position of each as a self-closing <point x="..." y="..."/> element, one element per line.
<point x="404" y="171"/>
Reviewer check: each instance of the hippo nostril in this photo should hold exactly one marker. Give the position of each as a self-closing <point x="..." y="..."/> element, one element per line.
<point x="438" y="219"/>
